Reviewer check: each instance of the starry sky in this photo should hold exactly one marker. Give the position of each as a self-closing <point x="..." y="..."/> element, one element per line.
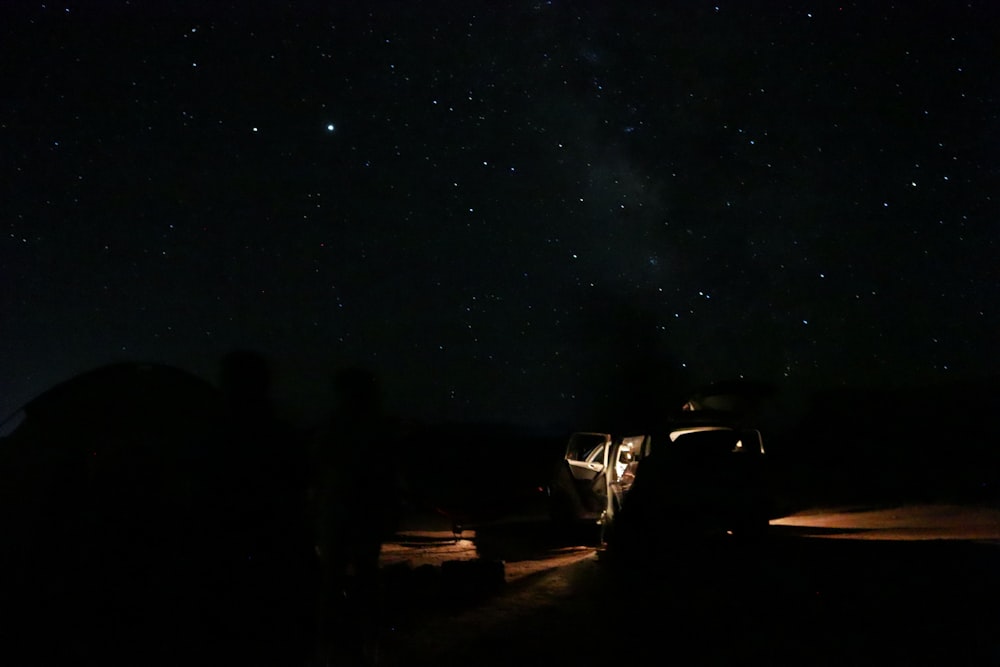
<point x="511" y="211"/>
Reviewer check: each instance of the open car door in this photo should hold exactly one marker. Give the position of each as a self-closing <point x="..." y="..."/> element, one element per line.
<point x="580" y="488"/>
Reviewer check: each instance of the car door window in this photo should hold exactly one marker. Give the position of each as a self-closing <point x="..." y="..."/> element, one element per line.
<point x="586" y="447"/>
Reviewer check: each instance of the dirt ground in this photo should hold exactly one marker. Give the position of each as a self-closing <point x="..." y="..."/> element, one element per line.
<point x="793" y="598"/>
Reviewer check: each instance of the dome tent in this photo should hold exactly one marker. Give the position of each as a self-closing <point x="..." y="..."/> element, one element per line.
<point x="108" y="498"/>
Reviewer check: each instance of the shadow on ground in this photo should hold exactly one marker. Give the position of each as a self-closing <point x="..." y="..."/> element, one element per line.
<point x="783" y="600"/>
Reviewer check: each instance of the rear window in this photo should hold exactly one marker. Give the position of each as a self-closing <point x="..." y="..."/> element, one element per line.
<point x="706" y="443"/>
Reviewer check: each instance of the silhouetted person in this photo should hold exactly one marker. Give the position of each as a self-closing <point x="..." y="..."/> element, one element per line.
<point x="266" y="531"/>
<point x="358" y="496"/>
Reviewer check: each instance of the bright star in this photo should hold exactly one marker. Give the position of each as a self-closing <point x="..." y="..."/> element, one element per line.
<point x="331" y="127"/>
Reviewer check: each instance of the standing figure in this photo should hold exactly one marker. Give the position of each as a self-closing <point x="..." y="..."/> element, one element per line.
<point x="358" y="498"/>
<point x="265" y="523"/>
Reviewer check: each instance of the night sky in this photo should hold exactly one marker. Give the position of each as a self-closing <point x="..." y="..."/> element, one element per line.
<point x="511" y="211"/>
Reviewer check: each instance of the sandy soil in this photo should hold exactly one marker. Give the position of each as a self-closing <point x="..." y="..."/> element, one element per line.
<point x="904" y="584"/>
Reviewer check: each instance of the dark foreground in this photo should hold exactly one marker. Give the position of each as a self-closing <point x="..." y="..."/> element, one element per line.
<point x="785" y="600"/>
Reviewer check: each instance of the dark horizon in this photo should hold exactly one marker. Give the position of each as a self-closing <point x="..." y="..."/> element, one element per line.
<point x="782" y="412"/>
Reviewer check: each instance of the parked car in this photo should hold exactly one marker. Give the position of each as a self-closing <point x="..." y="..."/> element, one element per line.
<point x="702" y="475"/>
